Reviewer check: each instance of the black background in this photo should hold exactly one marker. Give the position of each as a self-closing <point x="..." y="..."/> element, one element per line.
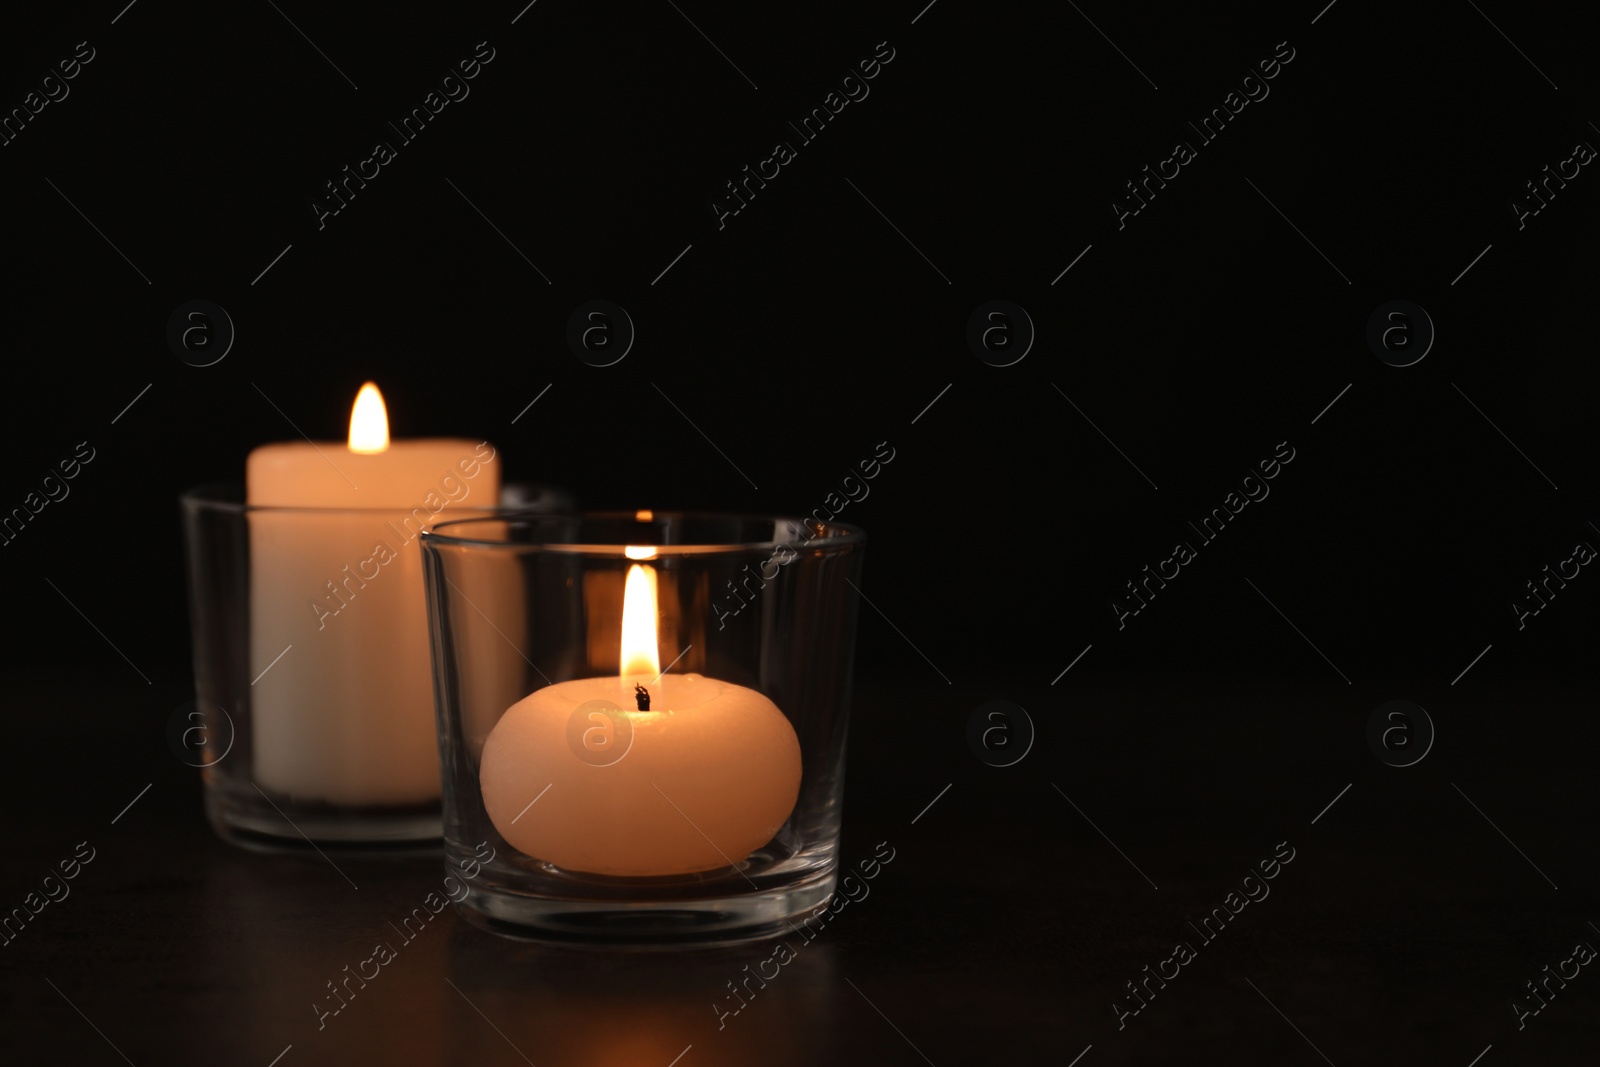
<point x="809" y="329"/>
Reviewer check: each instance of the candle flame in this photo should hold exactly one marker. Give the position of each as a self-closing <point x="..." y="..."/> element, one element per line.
<point x="639" y="654"/>
<point x="639" y="551"/>
<point x="369" y="422"/>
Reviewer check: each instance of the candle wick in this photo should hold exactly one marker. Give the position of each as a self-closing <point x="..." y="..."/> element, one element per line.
<point x="642" y="696"/>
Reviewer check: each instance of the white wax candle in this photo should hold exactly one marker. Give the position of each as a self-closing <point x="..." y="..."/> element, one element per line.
<point x="346" y="715"/>
<point x="694" y="773"/>
<point x="711" y="774"/>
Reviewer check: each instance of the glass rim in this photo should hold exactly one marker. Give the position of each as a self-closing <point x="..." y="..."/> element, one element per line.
<point x="214" y="496"/>
<point x="837" y="535"/>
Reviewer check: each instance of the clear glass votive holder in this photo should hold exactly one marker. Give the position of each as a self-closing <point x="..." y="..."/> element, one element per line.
<point x="313" y="722"/>
<point x="643" y="717"/>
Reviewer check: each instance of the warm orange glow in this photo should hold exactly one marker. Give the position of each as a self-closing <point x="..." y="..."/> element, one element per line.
<point x="639" y="655"/>
<point x="639" y="552"/>
<point x="644" y="515"/>
<point x="369" y="422"/>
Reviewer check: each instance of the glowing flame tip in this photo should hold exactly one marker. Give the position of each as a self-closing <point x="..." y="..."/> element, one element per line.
<point x="639" y="655"/>
<point x="369" y="422"/>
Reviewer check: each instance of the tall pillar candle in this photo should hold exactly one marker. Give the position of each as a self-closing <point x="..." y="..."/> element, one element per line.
<point x="343" y="697"/>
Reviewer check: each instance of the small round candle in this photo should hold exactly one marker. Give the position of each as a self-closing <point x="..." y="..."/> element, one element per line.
<point x="704" y="772"/>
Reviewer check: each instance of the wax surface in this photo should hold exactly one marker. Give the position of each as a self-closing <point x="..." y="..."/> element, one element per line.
<point x="712" y="774"/>
<point x="346" y="715"/>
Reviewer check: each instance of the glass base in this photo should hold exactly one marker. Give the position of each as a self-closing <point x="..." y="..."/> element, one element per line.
<point x="730" y="919"/>
<point x="250" y="821"/>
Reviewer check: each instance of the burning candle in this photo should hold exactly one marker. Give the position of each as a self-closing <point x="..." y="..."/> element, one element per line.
<point x="342" y="698"/>
<point x="700" y="772"/>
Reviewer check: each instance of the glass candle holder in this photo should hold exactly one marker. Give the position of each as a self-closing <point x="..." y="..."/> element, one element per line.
<point x="313" y="723"/>
<point x="642" y="720"/>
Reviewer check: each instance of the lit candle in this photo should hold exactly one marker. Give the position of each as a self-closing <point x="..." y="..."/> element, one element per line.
<point x="709" y="774"/>
<point x="342" y="703"/>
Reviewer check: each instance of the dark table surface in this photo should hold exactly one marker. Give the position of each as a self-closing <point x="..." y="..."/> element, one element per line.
<point x="1019" y="903"/>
